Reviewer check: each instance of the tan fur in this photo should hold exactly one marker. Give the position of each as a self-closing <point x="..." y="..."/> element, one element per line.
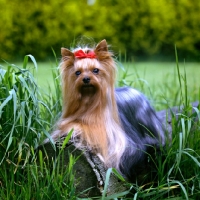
<point x="92" y="112"/>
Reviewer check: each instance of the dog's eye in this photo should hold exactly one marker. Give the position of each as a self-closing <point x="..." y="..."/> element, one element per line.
<point x="95" y="71"/>
<point x="77" y="73"/>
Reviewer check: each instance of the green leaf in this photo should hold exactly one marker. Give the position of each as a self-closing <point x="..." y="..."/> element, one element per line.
<point x="66" y="140"/>
<point x="108" y="173"/>
<point x="5" y="102"/>
<point x="33" y="60"/>
<point x="192" y="157"/>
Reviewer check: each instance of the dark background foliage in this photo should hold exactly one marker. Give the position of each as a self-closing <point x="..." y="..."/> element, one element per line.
<point x="138" y="29"/>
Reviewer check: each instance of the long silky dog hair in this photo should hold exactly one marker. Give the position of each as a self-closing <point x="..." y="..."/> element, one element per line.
<point x="118" y="125"/>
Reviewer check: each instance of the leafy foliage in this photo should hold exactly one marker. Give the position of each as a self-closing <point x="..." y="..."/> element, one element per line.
<point x="139" y="28"/>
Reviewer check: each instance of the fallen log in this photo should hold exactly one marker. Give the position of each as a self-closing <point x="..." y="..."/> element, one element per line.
<point x="90" y="173"/>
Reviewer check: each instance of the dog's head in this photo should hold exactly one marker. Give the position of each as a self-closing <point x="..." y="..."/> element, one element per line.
<point x="87" y="72"/>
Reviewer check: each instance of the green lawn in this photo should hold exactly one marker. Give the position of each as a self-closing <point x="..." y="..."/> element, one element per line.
<point x="44" y="75"/>
<point x="155" y="73"/>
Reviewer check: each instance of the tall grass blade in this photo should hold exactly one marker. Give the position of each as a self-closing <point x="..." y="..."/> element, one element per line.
<point x="182" y="188"/>
<point x="192" y="157"/>
<point x="5" y="103"/>
<point x="108" y="173"/>
<point x="178" y="70"/>
<point x="33" y="60"/>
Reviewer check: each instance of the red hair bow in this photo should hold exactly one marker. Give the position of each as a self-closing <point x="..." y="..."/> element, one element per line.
<point x="81" y="54"/>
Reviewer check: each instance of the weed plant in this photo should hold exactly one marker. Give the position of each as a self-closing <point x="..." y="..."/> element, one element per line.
<point x="27" y="116"/>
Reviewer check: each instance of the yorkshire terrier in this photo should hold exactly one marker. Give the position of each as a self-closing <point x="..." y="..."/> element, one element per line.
<point x="118" y="125"/>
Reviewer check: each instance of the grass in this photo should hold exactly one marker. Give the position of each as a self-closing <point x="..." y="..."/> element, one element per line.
<point x="29" y="107"/>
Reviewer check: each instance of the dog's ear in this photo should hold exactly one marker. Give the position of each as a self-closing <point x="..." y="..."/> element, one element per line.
<point x="66" y="53"/>
<point x="101" y="46"/>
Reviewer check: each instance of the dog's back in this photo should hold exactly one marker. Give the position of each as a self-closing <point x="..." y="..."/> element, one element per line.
<point x="143" y="129"/>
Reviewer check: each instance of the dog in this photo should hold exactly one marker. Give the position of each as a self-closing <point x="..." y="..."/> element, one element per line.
<point x="119" y="125"/>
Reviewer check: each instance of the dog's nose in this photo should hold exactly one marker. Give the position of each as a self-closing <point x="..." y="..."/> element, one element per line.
<point x="86" y="79"/>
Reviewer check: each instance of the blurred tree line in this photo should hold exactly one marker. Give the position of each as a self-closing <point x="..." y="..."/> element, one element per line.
<point x="137" y="28"/>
